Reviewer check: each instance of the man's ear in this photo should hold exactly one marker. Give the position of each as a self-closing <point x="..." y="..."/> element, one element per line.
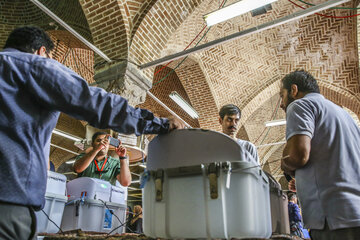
<point x="220" y="121"/>
<point x="41" y="51"/>
<point x="294" y="90"/>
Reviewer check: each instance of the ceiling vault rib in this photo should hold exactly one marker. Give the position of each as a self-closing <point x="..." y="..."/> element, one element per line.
<point x="259" y="28"/>
<point x="70" y="29"/>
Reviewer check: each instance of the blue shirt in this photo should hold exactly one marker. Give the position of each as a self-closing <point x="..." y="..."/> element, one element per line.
<point x="328" y="186"/>
<point x="294" y="212"/>
<point x="33" y="90"/>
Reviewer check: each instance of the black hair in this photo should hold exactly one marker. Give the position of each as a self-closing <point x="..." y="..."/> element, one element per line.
<point x="96" y="135"/>
<point x="292" y="196"/>
<point x="303" y="80"/>
<point x="29" y="39"/>
<point x="229" y="109"/>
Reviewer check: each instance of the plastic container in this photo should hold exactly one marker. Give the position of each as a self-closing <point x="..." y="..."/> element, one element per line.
<point x="202" y="184"/>
<point x="92" y="188"/>
<point x="190" y="147"/>
<point x="188" y="208"/>
<point x="94" y="215"/>
<point x="54" y="208"/>
<point x="118" y="194"/>
<point x="279" y="207"/>
<point x="56" y="183"/>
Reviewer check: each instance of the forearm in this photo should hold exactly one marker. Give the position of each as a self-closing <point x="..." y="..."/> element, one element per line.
<point x="124" y="177"/>
<point x="284" y="161"/>
<point x="296" y="153"/>
<point x="81" y="164"/>
<point x="286" y="167"/>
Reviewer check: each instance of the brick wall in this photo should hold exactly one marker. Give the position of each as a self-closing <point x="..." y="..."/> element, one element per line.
<point x="107" y="27"/>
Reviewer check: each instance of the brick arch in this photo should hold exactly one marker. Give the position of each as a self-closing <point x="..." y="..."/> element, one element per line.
<point x="160" y="22"/>
<point x="195" y="83"/>
<point x="334" y="93"/>
<point x="341" y="96"/>
<point x="72" y="53"/>
<point x="134" y="13"/>
<point x="23" y="12"/>
<point x="107" y="27"/>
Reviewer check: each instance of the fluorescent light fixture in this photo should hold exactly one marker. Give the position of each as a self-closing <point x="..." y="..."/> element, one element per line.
<point x="70" y="161"/>
<point x="142" y="165"/>
<point x="66" y="135"/>
<point x="135" y="181"/>
<point x="183" y="104"/>
<point x="275" y="122"/>
<point x="234" y="10"/>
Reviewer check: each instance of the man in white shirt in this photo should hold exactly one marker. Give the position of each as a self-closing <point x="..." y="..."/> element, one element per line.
<point x="229" y="118"/>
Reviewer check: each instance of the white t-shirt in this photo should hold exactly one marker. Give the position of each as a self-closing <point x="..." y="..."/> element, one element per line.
<point x="250" y="154"/>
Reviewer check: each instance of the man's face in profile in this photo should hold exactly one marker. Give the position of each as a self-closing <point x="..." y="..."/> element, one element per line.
<point x="230" y="124"/>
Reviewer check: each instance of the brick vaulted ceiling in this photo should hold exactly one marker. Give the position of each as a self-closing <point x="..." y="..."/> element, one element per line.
<point x="245" y="72"/>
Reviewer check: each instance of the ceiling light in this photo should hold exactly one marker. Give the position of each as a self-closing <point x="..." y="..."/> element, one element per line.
<point x="275" y="122"/>
<point x="66" y="135"/>
<point x="142" y="165"/>
<point x="70" y="161"/>
<point x="234" y="10"/>
<point x="183" y="104"/>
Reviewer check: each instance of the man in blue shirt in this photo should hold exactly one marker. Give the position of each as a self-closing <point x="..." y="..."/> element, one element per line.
<point x="33" y="90"/>
<point x="323" y="152"/>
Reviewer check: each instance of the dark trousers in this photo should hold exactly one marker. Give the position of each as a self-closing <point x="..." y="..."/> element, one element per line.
<point x="337" y="234"/>
<point x="16" y="222"/>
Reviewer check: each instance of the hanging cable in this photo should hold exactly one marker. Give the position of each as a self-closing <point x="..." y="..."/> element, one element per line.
<point x="348" y="8"/>
<point x="184" y="50"/>
<point x="92" y="73"/>
<point x="76" y="65"/>
<point x="173" y="70"/>
<point x="221" y="5"/>
<point x="323" y="15"/>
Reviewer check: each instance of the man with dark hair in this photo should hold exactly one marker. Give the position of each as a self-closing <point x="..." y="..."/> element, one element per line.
<point x="323" y="148"/>
<point x="30" y="40"/>
<point x="33" y="90"/>
<point x="98" y="164"/>
<point x="229" y="118"/>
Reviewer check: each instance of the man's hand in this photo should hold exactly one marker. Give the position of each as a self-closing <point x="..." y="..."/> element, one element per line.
<point x="121" y="150"/>
<point x="175" y="123"/>
<point x="292" y="186"/>
<point x="102" y="145"/>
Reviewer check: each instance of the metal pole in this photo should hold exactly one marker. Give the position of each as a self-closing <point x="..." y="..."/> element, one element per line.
<point x="259" y="28"/>
<point x="70" y="29"/>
